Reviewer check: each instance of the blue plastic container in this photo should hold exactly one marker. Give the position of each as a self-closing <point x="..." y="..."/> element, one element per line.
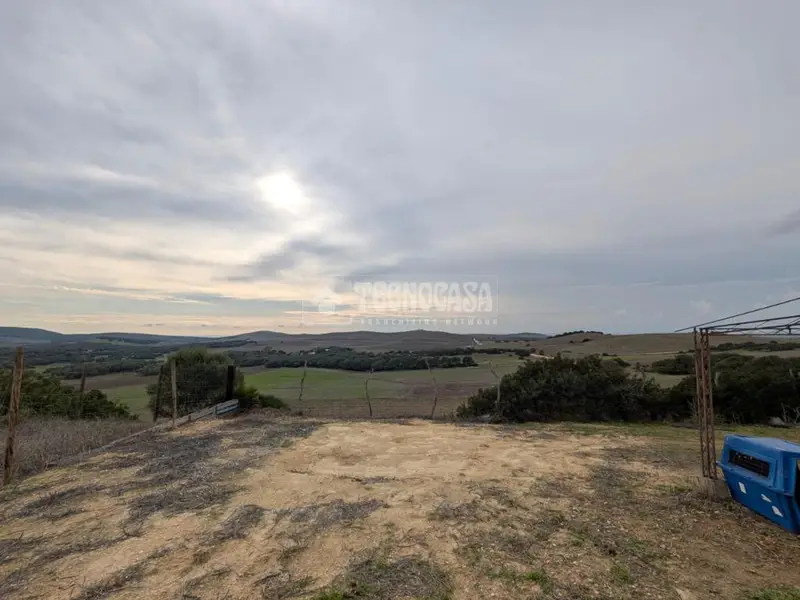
<point x="764" y="475"/>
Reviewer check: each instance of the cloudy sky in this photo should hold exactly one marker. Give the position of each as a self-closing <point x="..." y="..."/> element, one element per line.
<point x="208" y="166"/>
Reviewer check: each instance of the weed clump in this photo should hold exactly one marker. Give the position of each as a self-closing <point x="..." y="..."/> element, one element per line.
<point x="377" y="578"/>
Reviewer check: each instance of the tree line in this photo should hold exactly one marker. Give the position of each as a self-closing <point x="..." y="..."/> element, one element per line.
<point x="575" y="332"/>
<point x="771" y="346"/>
<point x="347" y="359"/>
<point x="70" y="361"/>
<point x="106" y="367"/>
<point x="75" y="353"/>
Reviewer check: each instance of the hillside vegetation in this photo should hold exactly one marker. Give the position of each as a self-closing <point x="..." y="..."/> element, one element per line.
<point x="598" y="376"/>
<point x="565" y="389"/>
<point x="45" y="395"/>
<point x="746" y="389"/>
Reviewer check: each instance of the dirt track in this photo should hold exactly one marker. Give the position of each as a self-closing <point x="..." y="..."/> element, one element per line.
<point x="258" y="508"/>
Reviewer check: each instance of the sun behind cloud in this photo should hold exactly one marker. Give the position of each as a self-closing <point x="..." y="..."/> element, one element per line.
<point x="282" y="191"/>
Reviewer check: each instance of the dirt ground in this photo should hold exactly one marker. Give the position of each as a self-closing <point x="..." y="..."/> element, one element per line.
<point x="259" y="507"/>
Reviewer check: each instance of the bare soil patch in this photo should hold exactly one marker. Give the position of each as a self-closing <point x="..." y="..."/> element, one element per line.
<point x="272" y="507"/>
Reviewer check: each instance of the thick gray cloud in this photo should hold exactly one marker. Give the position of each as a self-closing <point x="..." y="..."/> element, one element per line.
<point x="291" y="255"/>
<point x="207" y="165"/>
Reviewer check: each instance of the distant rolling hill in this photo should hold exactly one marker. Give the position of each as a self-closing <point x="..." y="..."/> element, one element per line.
<point x="28" y="335"/>
<point x="419" y="339"/>
<point x="360" y="340"/>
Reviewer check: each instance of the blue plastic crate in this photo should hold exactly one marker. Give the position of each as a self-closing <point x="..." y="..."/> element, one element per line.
<point x="764" y="475"/>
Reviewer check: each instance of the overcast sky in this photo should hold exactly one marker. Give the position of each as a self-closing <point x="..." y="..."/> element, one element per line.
<point x="199" y="166"/>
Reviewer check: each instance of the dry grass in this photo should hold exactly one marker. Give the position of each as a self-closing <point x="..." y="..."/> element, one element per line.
<point x="55" y="506"/>
<point x="35" y="555"/>
<point x="13" y="547"/>
<point x="319" y="517"/>
<point x="283" y="585"/>
<point x="121" y="579"/>
<point x="44" y="441"/>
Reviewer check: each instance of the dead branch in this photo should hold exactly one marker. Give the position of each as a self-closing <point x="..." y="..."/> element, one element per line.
<point x="497" y="379"/>
<point x="302" y="382"/>
<point x="366" y="392"/>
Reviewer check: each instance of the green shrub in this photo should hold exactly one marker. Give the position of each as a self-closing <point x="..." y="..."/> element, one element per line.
<point x="748" y="389"/>
<point x="249" y="397"/>
<point x="270" y="401"/>
<point x="43" y="394"/>
<point x="585" y="389"/>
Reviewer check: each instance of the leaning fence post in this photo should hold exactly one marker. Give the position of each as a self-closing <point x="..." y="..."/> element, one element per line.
<point x="174" y="381"/>
<point x="435" y="388"/>
<point x="497" y="378"/>
<point x="81" y="392"/>
<point x="13" y="417"/>
<point x="366" y="392"/>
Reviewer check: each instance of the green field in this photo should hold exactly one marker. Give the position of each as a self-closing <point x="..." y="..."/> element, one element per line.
<point x="342" y="393"/>
<point x="133" y="396"/>
<point x="323" y="384"/>
<point x="392" y="393"/>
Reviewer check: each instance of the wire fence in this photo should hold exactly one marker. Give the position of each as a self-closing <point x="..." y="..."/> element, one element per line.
<point x="46" y="421"/>
<point x="431" y="393"/>
<point x="49" y="420"/>
<point x="185" y="388"/>
<point x="378" y="408"/>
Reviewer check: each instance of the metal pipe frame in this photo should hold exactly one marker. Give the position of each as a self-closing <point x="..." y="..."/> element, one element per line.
<point x="704" y="392"/>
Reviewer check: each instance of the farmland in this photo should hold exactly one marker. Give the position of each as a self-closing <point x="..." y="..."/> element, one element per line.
<point x="395" y="393"/>
<point x="129" y="389"/>
<point x="410" y="393"/>
<point x="261" y="506"/>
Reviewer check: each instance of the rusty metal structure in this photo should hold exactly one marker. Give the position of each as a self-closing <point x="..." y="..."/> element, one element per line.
<point x="704" y="403"/>
<point x="704" y="400"/>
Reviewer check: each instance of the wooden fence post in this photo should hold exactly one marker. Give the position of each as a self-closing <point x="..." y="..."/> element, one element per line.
<point x="13" y="417"/>
<point x="162" y="371"/>
<point x="435" y="388"/>
<point x="173" y="372"/>
<point x="302" y="384"/>
<point x="81" y="391"/>
<point x="230" y="382"/>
